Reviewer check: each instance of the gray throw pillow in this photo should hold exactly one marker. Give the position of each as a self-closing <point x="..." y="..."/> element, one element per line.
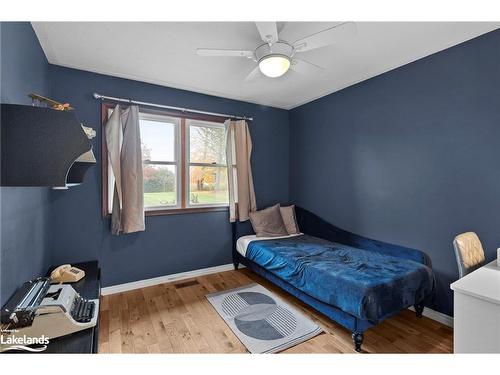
<point x="268" y="222"/>
<point x="289" y="218"/>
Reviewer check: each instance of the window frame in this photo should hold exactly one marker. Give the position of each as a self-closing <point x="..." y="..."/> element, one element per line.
<point x="182" y="153"/>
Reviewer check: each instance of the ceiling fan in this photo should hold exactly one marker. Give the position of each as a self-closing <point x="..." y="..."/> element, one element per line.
<point x="275" y="56"/>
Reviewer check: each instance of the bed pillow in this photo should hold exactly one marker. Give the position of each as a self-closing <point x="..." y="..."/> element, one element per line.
<point x="268" y="222"/>
<point x="289" y="218"/>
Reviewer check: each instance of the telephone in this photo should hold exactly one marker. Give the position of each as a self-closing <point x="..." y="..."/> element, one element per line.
<point x="66" y="274"/>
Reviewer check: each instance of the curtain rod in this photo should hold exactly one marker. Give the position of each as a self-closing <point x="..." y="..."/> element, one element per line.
<point x="130" y="101"/>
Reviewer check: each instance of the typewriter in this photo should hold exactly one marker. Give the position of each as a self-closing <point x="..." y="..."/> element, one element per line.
<point x="39" y="308"/>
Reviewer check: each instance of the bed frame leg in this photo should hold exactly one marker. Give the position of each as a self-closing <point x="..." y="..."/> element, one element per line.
<point x="236" y="265"/>
<point x="357" y="339"/>
<point x="419" y="309"/>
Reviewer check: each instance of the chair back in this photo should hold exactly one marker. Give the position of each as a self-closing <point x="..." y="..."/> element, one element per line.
<point x="468" y="252"/>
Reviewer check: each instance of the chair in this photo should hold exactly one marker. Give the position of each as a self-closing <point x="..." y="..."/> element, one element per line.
<point x="468" y="252"/>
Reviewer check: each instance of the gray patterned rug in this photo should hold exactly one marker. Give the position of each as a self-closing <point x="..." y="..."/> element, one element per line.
<point x="261" y="320"/>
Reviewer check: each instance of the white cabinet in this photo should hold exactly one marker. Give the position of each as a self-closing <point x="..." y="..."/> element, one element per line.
<point x="477" y="311"/>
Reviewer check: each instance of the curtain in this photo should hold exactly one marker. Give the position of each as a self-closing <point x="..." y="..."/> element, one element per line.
<point x="240" y="181"/>
<point x="123" y="142"/>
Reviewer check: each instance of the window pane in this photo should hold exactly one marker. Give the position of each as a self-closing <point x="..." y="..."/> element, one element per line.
<point x="207" y="144"/>
<point x="160" y="185"/>
<point x="208" y="185"/>
<point x="157" y="140"/>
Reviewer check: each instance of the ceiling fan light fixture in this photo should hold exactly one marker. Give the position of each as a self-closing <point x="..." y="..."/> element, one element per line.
<point x="274" y="66"/>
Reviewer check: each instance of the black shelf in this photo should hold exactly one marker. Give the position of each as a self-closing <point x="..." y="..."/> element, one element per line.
<point x="42" y="147"/>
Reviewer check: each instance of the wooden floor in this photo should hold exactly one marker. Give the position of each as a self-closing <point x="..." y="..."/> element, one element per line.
<point x="177" y="318"/>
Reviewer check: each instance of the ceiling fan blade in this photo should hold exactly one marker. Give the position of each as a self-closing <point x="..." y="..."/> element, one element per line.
<point x="223" y="52"/>
<point x="268" y="31"/>
<point x="252" y="75"/>
<point x="326" y="37"/>
<point x="305" y="67"/>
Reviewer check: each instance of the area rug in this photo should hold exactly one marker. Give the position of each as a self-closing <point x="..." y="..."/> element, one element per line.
<point x="262" y="321"/>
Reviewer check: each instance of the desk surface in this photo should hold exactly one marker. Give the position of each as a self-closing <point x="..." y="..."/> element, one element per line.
<point x="82" y="341"/>
<point x="483" y="283"/>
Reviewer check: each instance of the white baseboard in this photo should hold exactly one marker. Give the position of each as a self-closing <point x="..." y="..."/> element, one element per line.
<point x="165" y="279"/>
<point x="437" y="316"/>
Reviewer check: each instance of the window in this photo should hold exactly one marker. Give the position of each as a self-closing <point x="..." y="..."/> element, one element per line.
<point x="160" y="136"/>
<point x="206" y="142"/>
<point x="184" y="163"/>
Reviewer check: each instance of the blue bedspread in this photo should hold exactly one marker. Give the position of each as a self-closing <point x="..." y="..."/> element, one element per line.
<point x="366" y="284"/>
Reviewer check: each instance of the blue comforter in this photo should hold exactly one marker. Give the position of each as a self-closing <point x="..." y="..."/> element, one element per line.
<point x="366" y="284"/>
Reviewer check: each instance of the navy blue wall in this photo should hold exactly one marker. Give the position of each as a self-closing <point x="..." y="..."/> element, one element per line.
<point x="24" y="211"/>
<point x="173" y="243"/>
<point x="410" y="157"/>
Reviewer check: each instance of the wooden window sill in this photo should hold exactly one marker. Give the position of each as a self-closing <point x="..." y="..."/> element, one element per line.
<point x="190" y="210"/>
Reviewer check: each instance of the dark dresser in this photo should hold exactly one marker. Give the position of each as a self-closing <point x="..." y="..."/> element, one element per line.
<point x="83" y="341"/>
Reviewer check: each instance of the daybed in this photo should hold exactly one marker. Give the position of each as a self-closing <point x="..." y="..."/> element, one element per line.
<point x="353" y="280"/>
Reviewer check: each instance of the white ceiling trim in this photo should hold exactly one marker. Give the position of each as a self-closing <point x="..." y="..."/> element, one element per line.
<point x="172" y="85"/>
<point x="369" y="75"/>
<point x="48" y="50"/>
<point x="164" y="54"/>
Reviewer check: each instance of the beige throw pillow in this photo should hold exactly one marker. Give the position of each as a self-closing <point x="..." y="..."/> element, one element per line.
<point x="268" y="222"/>
<point x="289" y="218"/>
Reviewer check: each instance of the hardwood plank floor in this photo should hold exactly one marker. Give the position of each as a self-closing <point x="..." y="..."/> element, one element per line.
<point x="177" y="318"/>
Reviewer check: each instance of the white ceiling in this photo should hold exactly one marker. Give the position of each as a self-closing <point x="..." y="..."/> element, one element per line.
<point x="165" y="54"/>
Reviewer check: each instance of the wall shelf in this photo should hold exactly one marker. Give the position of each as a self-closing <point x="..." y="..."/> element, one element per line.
<point x="43" y="147"/>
